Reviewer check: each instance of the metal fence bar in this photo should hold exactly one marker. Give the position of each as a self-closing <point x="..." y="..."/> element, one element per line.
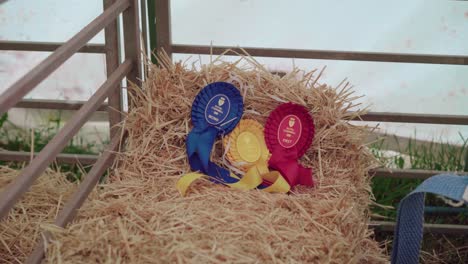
<point x="132" y="45"/>
<point x="54" y="104"/>
<point x="70" y="208"/>
<point x="47" y="46"/>
<point x="22" y="156"/>
<point x="24" y="85"/>
<point x="326" y="55"/>
<point x="382" y="226"/>
<point x="409" y="173"/>
<point x="370" y="116"/>
<point x="163" y="26"/>
<point x="112" y="62"/>
<point x="21" y="183"/>
<point x="414" y="118"/>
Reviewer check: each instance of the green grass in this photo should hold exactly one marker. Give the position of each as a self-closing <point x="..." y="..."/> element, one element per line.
<point x="432" y="156"/>
<point x="14" y="138"/>
<point x="389" y="192"/>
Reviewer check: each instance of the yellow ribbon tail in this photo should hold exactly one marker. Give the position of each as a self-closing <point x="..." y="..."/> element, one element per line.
<point x="186" y="180"/>
<point x="279" y="184"/>
<point x="249" y="181"/>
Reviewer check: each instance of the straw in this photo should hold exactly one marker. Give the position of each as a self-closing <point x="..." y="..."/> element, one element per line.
<point x="139" y="217"/>
<point x="20" y="231"/>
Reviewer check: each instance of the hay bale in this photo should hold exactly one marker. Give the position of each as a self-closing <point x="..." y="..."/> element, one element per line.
<point x="20" y="231"/>
<point x="139" y="217"/>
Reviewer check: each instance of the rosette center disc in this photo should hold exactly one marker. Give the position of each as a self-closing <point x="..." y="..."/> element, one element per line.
<point x="248" y="146"/>
<point x="289" y="131"/>
<point x="217" y="109"/>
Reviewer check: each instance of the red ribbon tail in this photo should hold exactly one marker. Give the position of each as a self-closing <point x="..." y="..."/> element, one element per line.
<point x="305" y="176"/>
<point x="286" y="163"/>
<point x="293" y="172"/>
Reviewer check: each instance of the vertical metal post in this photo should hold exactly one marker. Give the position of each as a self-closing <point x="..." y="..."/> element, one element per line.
<point x="152" y="29"/>
<point x="144" y="25"/>
<point x="163" y="26"/>
<point x="131" y="26"/>
<point x="112" y="62"/>
<point x="145" y="36"/>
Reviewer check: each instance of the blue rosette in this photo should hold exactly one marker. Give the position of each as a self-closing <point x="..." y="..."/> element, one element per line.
<point x="219" y="105"/>
<point x="216" y="111"/>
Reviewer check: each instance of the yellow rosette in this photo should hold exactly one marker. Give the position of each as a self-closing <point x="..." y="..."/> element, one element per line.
<point x="246" y="150"/>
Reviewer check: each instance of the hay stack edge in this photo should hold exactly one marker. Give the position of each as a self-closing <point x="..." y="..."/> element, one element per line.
<point x="138" y="216"/>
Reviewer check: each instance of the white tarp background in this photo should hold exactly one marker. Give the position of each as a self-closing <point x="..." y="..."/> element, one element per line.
<point x="417" y="26"/>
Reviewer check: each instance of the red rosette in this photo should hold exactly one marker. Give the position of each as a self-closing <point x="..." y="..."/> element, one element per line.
<point x="296" y="123"/>
<point x="289" y="132"/>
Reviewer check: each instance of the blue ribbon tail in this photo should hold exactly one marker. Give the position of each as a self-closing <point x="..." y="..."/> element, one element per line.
<point x="220" y="174"/>
<point x="199" y="144"/>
